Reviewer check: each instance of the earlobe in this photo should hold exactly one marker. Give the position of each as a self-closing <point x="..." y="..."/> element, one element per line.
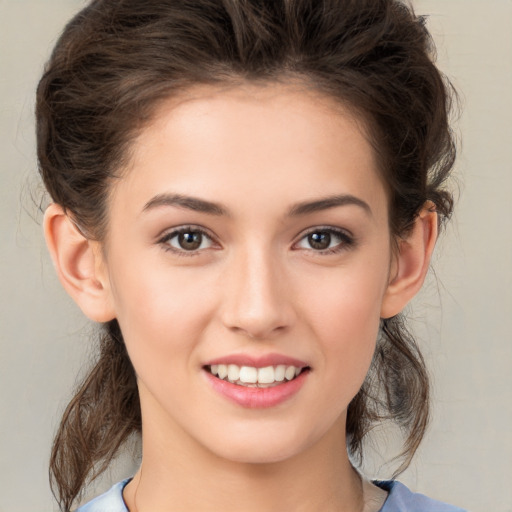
<point x="412" y="263"/>
<point x="77" y="261"/>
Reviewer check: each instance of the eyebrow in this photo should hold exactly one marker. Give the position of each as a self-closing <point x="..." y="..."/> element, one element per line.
<point x="211" y="208"/>
<point x="187" y="202"/>
<point x="326" y="203"/>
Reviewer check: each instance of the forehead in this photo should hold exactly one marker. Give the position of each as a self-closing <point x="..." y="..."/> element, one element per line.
<point x="291" y="107"/>
<point x="274" y="140"/>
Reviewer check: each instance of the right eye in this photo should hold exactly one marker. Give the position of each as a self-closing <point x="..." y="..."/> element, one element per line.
<point x="186" y="240"/>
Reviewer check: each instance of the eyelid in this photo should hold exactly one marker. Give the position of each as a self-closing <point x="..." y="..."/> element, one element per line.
<point x="170" y="233"/>
<point x="348" y="239"/>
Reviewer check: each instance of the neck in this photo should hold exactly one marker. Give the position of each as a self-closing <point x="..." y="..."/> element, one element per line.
<point x="173" y="478"/>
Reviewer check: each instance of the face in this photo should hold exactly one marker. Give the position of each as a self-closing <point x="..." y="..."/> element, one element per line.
<point x="249" y="237"/>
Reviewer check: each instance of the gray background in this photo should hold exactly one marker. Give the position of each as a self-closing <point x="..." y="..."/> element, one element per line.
<point x="463" y="316"/>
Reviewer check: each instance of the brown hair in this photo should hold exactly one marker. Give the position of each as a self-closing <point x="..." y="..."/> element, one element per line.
<point x="117" y="59"/>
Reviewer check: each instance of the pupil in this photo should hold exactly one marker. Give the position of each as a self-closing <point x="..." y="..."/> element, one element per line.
<point x="319" y="240"/>
<point x="190" y="241"/>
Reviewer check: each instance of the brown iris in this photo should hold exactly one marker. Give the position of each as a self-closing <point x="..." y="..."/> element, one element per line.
<point x="320" y="240"/>
<point x="190" y="240"/>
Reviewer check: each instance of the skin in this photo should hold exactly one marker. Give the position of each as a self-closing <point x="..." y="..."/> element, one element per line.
<point x="255" y="286"/>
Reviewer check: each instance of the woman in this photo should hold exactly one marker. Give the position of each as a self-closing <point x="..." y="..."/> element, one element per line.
<point x="246" y="194"/>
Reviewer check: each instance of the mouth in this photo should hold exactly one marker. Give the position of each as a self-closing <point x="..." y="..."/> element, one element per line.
<point x="253" y="377"/>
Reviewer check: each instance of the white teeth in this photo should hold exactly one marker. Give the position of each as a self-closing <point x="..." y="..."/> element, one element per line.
<point x="251" y="376"/>
<point x="222" y="371"/>
<point x="266" y="375"/>
<point x="279" y="373"/>
<point x="233" y="372"/>
<point x="248" y="375"/>
<point x="289" y="373"/>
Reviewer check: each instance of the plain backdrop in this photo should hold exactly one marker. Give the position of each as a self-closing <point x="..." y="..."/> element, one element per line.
<point x="463" y="317"/>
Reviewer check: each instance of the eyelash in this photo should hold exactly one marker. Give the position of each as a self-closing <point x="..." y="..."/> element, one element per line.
<point x="347" y="241"/>
<point x="164" y="240"/>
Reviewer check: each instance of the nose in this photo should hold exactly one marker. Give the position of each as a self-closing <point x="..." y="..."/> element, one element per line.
<point x="256" y="301"/>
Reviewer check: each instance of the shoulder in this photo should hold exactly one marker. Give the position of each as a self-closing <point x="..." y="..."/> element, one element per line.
<point x="401" y="499"/>
<point x="111" y="501"/>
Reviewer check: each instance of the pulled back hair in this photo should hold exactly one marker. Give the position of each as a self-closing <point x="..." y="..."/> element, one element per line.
<point x="118" y="59"/>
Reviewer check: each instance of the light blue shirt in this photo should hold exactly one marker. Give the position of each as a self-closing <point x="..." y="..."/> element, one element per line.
<point x="400" y="499"/>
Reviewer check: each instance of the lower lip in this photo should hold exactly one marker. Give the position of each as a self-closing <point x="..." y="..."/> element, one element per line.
<point x="257" y="398"/>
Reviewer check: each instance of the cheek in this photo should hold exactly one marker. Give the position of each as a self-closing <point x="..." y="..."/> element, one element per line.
<point x="347" y="300"/>
<point x="160" y="315"/>
<point x="350" y="336"/>
<point x="346" y="319"/>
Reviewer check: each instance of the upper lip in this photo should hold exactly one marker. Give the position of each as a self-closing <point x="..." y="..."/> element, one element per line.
<point x="260" y="361"/>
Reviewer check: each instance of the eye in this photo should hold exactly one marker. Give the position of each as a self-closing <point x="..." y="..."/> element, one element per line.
<point x="186" y="239"/>
<point x="327" y="240"/>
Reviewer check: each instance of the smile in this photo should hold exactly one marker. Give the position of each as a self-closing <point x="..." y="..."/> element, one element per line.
<point x="250" y="376"/>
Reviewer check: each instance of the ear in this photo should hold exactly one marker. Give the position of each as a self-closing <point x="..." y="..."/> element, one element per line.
<point x="411" y="263"/>
<point x="79" y="265"/>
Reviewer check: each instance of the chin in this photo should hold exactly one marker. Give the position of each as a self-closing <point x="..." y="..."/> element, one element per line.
<point x="262" y="448"/>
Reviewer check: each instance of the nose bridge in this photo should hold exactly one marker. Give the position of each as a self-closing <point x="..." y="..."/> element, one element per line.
<point x="255" y="299"/>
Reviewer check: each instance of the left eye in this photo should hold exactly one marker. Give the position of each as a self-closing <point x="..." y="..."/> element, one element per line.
<point x="324" y="239"/>
<point x="187" y="240"/>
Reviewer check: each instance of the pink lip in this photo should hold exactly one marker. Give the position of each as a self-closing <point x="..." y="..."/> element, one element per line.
<point x="257" y="361"/>
<point x="257" y="398"/>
